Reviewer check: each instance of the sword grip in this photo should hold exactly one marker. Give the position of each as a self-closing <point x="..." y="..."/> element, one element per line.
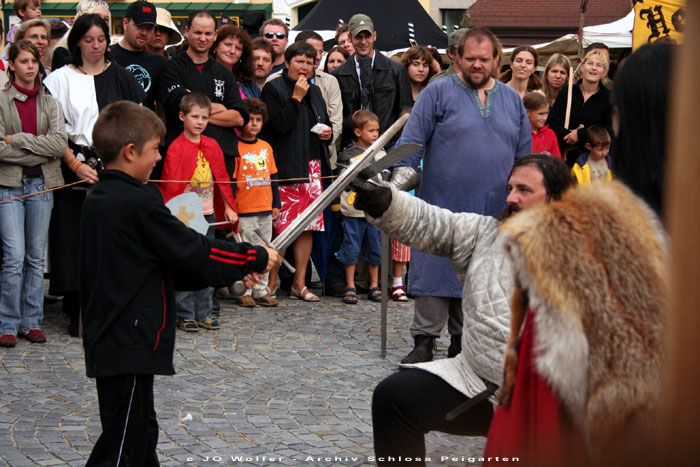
<point x="291" y="268"/>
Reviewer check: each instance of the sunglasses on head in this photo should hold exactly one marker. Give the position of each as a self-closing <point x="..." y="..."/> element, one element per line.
<point x="270" y="35"/>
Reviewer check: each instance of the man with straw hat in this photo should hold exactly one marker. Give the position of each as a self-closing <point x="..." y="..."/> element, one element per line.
<point x="164" y="33"/>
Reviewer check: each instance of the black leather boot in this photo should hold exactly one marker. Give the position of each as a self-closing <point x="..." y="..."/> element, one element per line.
<point x="422" y="351"/>
<point x="455" y="346"/>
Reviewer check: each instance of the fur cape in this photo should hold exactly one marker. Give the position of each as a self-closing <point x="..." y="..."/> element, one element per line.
<point x="594" y="267"/>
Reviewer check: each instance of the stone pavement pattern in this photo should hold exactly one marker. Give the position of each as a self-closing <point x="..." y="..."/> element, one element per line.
<point x="293" y="382"/>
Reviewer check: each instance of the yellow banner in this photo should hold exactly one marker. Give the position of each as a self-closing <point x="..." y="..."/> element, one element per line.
<point x="656" y="19"/>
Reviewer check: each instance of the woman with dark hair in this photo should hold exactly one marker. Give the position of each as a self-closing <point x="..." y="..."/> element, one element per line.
<point x="590" y="104"/>
<point x="555" y="77"/>
<point x="521" y="76"/>
<point x="417" y="61"/>
<point x="295" y="105"/>
<point x="639" y="121"/>
<point x="32" y="138"/>
<point x="61" y="54"/>
<point x="336" y="57"/>
<point x="232" y="48"/>
<point x="84" y="87"/>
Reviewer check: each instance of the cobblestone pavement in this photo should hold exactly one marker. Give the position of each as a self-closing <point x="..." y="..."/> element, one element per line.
<point x="293" y="382"/>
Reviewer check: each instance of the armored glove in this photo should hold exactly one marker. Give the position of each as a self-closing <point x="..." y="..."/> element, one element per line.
<point x="372" y="198"/>
<point x="404" y="178"/>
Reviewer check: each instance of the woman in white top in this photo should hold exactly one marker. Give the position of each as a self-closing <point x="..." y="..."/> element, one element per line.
<point x="84" y="87"/>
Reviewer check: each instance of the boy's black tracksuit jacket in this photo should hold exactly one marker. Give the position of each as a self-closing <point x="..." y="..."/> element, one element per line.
<point x="133" y="255"/>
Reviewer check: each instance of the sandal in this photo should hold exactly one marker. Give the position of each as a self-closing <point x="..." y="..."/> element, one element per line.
<point x="303" y="294"/>
<point x="398" y="294"/>
<point x="375" y="294"/>
<point x="350" y="296"/>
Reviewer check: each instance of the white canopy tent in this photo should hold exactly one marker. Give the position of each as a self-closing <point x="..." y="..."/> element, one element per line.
<point x="615" y="35"/>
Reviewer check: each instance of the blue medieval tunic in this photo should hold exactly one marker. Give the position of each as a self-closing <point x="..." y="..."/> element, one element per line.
<point x="468" y="152"/>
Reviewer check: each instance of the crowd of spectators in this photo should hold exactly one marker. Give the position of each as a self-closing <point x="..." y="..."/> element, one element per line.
<point x="257" y="127"/>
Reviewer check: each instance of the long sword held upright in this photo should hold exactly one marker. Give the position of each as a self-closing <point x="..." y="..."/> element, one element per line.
<point x="302" y="221"/>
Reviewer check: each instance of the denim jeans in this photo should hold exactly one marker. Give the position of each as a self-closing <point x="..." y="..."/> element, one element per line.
<point x="359" y="233"/>
<point x="197" y="304"/>
<point x="24" y="228"/>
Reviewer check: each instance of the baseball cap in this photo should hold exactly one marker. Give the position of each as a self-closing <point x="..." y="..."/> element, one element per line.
<point x="141" y="13"/>
<point x="359" y="23"/>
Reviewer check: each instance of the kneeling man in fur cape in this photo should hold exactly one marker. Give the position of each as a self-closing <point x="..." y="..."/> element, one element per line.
<point x="419" y="398"/>
<point x="587" y="275"/>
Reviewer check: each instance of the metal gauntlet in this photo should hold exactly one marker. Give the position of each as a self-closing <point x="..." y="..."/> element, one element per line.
<point x="404" y="178"/>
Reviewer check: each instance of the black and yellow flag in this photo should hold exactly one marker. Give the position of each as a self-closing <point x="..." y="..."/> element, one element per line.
<point x="654" y="19"/>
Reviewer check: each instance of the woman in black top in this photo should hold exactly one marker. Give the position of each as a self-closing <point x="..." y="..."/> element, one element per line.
<point x="295" y="106"/>
<point x="590" y="104"/>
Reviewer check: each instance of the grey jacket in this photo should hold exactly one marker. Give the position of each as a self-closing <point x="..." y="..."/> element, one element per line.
<point x="28" y="150"/>
<point x="478" y="258"/>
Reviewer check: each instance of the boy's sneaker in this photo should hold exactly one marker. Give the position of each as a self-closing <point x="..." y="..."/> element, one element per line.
<point x="35" y="336"/>
<point x="245" y="301"/>
<point x="187" y="325"/>
<point x="267" y="300"/>
<point x="209" y="323"/>
<point x="8" y="340"/>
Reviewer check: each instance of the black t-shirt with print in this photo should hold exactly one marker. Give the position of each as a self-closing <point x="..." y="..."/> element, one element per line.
<point x="146" y="67"/>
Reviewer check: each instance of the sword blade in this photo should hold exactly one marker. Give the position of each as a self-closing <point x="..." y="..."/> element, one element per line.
<point x="298" y="225"/>
<point x="396" y="155"/>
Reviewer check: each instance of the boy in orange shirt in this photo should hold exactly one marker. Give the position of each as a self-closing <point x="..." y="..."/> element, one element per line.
<point x="257" y="194"/>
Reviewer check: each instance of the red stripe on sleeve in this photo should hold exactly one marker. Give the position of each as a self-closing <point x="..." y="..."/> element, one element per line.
<point x="231" y="254"/>
<point x="232" y="261"/>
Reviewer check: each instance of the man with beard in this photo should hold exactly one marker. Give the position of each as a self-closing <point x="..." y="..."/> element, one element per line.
<point x="471" y="128"/>
<point x="418" y="398"/>
<point x="263" y="56"/>
<point x="131" y="53"/>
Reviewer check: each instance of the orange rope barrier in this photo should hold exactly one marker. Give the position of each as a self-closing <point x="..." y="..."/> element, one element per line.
<point x="42" y="192"/>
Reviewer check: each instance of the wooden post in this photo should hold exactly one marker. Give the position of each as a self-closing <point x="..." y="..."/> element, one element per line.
<point x="581" y="20"/>
<point x="681" y="423"/>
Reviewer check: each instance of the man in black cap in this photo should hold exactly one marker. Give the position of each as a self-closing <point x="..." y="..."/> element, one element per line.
<point x="369" y="80"/>
<point x="130" y="52"/>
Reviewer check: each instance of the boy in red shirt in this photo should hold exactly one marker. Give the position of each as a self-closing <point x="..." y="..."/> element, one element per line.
<point x="198" y="158"/>
<point x="257" y="194"/>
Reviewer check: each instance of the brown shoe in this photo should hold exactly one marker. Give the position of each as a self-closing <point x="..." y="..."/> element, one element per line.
<point x="267" y="300"/>
<point x="245" y="301"/>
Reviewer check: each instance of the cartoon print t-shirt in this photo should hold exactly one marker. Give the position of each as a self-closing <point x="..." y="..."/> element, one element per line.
<point x="202" y="184"/>
<point x="253" y="169"/>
